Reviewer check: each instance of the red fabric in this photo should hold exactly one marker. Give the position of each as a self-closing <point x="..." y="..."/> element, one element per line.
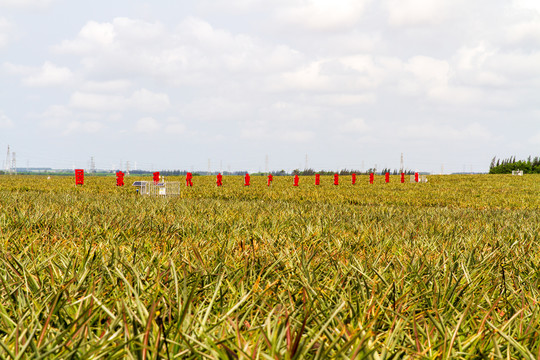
<point x="402" y="178"/>
<point x="219" y="179"/>
<point x="270" y="179"/>
<point x="371" y="178"/>
<point x="189" y="176"/>
<point x="156" y="177"/>
<point x="296" y="179"/>
<point x="416" y="177"/>
<point x="79" y="177"/>
<point x="353" y="179"/>
<point x="119" y="178"/>
<point x="387" y="177"/>
<point x="336" y="179"/>
<point x="247" y="178"/>
<point x="317" y="179"/>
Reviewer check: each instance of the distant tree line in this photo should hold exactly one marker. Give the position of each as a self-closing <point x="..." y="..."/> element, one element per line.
<point x="506" y="166"/>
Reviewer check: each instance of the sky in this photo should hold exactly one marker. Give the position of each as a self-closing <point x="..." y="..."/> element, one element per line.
<point x="228" y="84"/>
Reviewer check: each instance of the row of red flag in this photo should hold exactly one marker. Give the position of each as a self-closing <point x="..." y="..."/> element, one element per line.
<point x="79" y="178"/>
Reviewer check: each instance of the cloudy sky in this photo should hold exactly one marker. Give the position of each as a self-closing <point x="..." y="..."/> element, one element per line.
<point x="349" y="83"/>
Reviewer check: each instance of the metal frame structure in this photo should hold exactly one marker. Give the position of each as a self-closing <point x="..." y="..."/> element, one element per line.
<point x="160" y="189"/>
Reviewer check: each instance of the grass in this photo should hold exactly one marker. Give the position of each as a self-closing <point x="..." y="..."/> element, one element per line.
<point x="447" y="269"/>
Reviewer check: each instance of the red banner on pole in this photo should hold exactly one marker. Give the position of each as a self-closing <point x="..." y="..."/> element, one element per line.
<point x="402" y="178"/>
<point x="336" y="179"/>
<point x="387" y="177"/>
<point x="296" y="180"/>
<point x="415" y="177"/>
<point x="353" y="178"/>
<point x="219" y="179"/>
<point x="247" y="178"/>
<point x="317" y="179"/>
<point x="119" y="178"/>
<point x="371" y="178"/>
<point x="79" y="177"/>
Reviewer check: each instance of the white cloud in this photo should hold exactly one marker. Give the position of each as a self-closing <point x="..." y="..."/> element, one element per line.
<point x="87" y="127"/>
<point x="97" y="102"/>
<point x="147" y="125"/>
<point x="193" y="53"/>
<point x="5" y="122"/>
<point x="434" y="131"/>
<point x="527" y="4"/>
<point x="175" y="127"/>
<point x="322" y="14"/>
<point x="5" y="30"/>
<point x="354" y="126"/>
<point x="148" y="101"/>
<point x="92" y="36"/>
<point x="338" y="99"/>
<point x="49" y="75"/>
<point x="420" y="12"/>
<point x="301" y="136"/>
<point x="142" y="100"/>
<point x="26" y="3"/>
<point x="46" y="75"/>
<point x="110" y="86"/>
<point x="64" y="121"/>
<point x="524" y="32"/>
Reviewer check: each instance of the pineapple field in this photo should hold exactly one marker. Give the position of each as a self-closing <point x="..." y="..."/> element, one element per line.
<point x="444" y="269"/>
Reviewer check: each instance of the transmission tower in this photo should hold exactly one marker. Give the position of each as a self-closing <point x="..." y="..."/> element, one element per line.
<point x="401" y="164"/>
<point x="7" y="164"/>
<point x="13" y="163"/>
<point x="92" y="165"/>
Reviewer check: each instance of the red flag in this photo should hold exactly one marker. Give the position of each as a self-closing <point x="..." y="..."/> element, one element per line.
<point x="246" y="179"/>
<point x="119" y="178"/>
<point x="387" y="177"/>
<point x="156" y="177"/>
<point x="296" y="179"/>
<point x="402" y="178"/>
<point x="317" y="179"/>
<point x="79" y="177"/>
<point x="219" y="179"/>
<point x="371" y="178"/>
<point x="415" y="177"/>
<point x="336" y="179"/>
<point x="353" y="178"/>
